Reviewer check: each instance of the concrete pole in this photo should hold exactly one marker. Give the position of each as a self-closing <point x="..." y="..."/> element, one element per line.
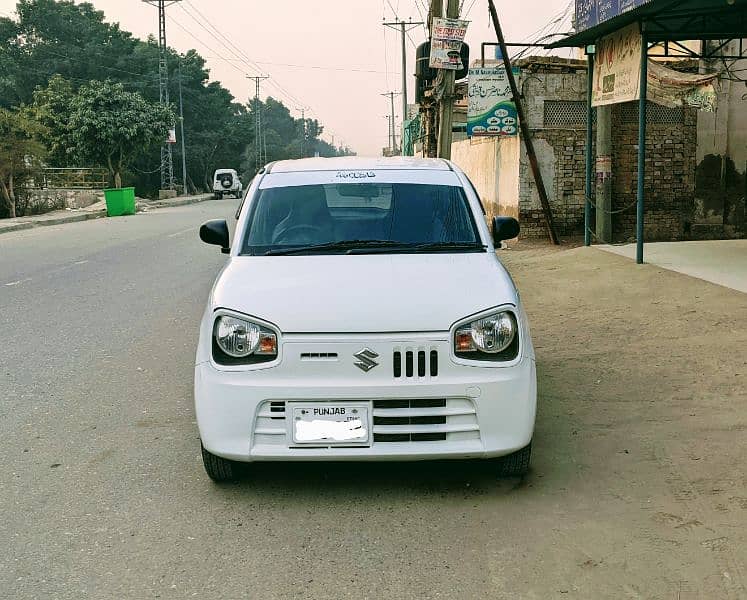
<point x="404" y="84"/>
<point x="446" y="113"/>
<point x="604" y="175"/>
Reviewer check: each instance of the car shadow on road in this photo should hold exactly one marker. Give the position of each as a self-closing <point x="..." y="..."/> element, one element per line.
<point x="474" y="477"/>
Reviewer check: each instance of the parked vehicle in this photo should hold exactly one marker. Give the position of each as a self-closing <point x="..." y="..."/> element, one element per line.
<point x="363" y="315"/>
<point x="226" y="181"/>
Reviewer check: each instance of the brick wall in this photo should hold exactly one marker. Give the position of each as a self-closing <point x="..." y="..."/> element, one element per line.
<point x="670" y="172"/>
<point x="559" y="133"/>
<point x="560" y="142"/>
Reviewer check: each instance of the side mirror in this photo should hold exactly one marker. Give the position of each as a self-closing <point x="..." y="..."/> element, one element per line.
<point x="505" y="228"/>
<point x="216" y="233"/>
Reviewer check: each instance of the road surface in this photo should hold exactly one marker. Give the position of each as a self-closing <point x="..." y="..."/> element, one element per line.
<point x="637" y="490"/>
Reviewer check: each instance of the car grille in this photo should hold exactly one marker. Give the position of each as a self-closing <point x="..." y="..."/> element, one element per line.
<point x="412" y="363"/>
<point x="403" y="421"/>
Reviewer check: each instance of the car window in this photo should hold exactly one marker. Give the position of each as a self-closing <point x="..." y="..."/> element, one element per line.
<point x="284" y="217"/>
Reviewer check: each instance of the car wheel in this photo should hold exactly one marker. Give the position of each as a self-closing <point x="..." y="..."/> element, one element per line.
<point x="218" y="196"/>
<point x="218" y="469"/>
<point x="516" y="464"/>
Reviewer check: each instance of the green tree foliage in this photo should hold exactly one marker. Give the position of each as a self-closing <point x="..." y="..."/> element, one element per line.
<point x="109" y="126"/>
<point x="54" y="47"/>
<point x="20" y="153"/>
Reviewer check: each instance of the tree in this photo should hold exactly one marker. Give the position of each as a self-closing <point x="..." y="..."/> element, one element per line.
<point x="20" y="151"/>
<point x="109" y="126"/>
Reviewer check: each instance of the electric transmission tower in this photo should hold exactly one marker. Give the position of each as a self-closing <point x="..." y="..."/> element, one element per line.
<point x="167" y="159"/>
<point x="258" y="139"/>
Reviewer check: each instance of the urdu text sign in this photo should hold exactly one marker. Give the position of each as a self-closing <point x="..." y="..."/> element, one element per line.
<point x="491" y="110"/>
<point x="446" y="44"/>
<point x="617" y="69"/>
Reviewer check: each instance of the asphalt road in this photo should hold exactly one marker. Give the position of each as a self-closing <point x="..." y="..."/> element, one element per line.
<point x="634" y="493"/>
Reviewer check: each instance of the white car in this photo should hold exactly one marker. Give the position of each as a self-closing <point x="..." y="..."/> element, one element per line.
<point x="226" y="181"/>
<point x="363" y="315"/>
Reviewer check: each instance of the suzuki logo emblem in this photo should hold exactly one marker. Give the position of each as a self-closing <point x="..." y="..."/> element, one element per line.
<point x="366" y="360"/>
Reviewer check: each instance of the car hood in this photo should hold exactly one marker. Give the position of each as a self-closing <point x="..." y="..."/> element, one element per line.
<point x="363" y="293"/>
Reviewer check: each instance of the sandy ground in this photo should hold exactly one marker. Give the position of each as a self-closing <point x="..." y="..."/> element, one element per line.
<point x="640" y="477"/>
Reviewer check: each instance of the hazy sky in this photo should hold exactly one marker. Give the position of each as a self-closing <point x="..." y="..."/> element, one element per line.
<point x="328" y="55"/>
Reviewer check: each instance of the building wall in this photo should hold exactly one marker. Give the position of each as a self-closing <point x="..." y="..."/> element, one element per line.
<point x="671" y="144"/>
<point x="721" y="184"/>
<point x="492" y="164"/>
<point x="560" y="140"/>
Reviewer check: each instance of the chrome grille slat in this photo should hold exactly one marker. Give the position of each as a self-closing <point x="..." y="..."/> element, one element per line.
<point x="423" y="412"/>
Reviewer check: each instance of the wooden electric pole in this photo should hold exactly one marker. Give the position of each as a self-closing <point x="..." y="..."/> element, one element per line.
<point x="404" y="27"/>
<point x="526" y="134"/>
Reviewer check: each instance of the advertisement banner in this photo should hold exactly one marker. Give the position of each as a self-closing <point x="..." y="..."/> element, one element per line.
<point x="617" y="69"/>
<point x="490" y="109"/>
<point x="446" y="44"/>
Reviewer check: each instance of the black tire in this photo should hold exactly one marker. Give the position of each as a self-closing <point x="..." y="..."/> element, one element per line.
<point x="516" y="464"/>
<point x="218" y="469"/>
<point x="218" y="196"/>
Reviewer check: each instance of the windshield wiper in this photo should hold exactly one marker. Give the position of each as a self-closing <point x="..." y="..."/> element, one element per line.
<point x="406" y="248"/>
<point x="332" y="246"/>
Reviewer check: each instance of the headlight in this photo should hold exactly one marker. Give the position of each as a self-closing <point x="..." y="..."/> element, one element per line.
<point x="494" y="337"/>
<point x="240" y="341"/>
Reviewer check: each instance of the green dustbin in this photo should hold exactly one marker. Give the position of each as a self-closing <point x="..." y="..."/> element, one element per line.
<point x="120" y="201"/>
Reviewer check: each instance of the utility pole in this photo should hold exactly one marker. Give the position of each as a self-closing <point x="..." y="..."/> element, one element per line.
<point x="304" y="132"/>
<point x="392" y="122"/>
<point x="181" y="133"/>
<point x="167" y="159"/>
<point x="257" y="121"/>
<point x="430" y="107"/>
<point x="404" y="27"/>
<point x="526" y="134"/>
<point x="446" y="112"/>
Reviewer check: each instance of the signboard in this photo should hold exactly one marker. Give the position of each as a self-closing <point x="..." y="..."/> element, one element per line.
<point x="446" y="44"/>
<point x="617" y="69"/>
<point x="590" y="13"/>
<point x="490" y="108"/>
<point x="172" y="136"/>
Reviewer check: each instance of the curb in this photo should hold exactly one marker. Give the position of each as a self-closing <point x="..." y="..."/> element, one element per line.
<point x="98" y="214"/>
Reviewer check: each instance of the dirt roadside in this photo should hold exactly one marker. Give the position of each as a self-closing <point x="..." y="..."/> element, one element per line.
<point x="641" y="443"/>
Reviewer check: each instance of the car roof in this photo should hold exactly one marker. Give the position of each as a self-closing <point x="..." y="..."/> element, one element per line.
<point x="358" y="163"/>
<point x="218" y="171"/>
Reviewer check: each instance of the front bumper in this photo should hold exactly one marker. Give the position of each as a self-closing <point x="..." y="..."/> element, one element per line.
<point x="482" y="412"/>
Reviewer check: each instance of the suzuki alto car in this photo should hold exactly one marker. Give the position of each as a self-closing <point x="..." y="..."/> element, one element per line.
<point x="363" y="315"/>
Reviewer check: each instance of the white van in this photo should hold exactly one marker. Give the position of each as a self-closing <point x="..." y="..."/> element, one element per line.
<point x="363" y="315"/>
<point x="226" y="181"/>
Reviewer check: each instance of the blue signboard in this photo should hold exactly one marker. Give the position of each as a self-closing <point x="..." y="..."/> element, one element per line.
<point x="590" y="13"/>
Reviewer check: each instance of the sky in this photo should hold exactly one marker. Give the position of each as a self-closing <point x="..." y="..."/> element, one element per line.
<point x="332" y="58"/>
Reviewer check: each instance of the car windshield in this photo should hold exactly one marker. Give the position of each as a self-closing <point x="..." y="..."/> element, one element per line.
<point x="343" y="217"/>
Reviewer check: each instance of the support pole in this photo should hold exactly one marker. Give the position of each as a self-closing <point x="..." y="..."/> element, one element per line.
<point x="604" y="175"/>
<point x="642" y="122"/>
<point x="589" y="154"/>
<point x="525" y="132"/>
<point x="392" y="124"/>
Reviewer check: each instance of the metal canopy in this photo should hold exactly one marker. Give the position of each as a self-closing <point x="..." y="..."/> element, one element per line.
<point x="673" y="20"/>
<point x="663" y="23"/>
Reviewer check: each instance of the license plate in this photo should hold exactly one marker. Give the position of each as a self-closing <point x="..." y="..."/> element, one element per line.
<point x="330" y="424"/>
